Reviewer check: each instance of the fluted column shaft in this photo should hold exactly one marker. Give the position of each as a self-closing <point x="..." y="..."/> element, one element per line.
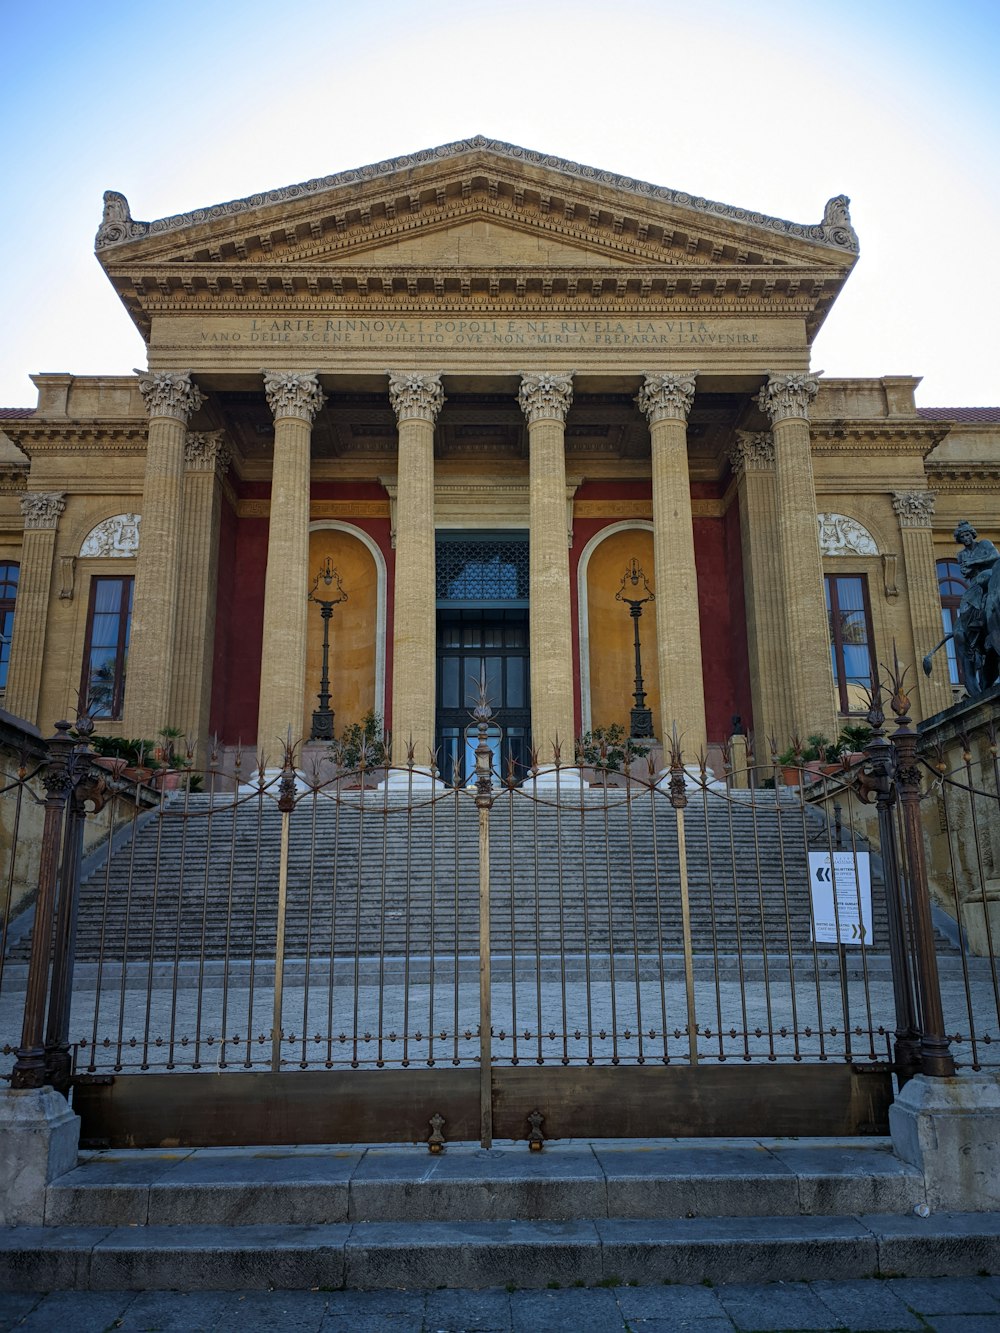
<point x="786" y="399"/>
<point x="915" y="510"/>
<point x="666" y="401"/>
<point x="545" y="401"/>
<point x="294" y="400"/>
<point x="41" y="511"/>
<point x="416" y="400"/>
<point x="207" y="459"/>
<point x="170" y="399"/>
<point x="752" y="460"/>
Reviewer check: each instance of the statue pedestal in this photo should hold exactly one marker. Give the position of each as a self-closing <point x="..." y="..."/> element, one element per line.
<point x="949" y="1128"/>
<point x="964" y="832"/>
<point x="39" y="1140"/>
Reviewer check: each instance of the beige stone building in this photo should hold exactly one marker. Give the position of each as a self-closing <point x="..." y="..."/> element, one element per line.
<point x="481" y="381"/>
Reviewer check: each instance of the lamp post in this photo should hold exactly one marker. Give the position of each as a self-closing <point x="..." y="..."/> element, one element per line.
<point x="322" y="726"/>
<point x="640" y="718"/>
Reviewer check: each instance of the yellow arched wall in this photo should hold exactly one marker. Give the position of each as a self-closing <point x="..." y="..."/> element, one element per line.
<point x="612" y="656"/>
<point x="352" y="630"/>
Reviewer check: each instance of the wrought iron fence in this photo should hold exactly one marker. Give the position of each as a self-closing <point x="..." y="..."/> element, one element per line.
<point x="388" y="918"/>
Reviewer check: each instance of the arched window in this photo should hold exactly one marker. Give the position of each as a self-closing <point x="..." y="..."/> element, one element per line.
<point x="9" y="575"/>
<point x="951" y="586"/>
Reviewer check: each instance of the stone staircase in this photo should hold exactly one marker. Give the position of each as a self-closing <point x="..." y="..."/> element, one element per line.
<point x="378" y="878"/>
<point x="575" y="1214"/>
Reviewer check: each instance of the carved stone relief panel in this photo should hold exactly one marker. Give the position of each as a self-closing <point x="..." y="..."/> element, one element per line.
<point x="841" y="535"/>
<point x="115" y="536"/>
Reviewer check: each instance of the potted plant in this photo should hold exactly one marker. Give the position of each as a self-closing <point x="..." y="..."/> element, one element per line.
<point x="798" y="758"/>
<point x="361" y="741"/>
<point x="608" y="749"/>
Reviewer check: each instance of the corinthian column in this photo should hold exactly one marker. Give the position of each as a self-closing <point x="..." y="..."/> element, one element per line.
<point x="666" y="401"/>
<point x="207" y="458"/>
<point x="41" y="510"/>
<point x="785" y="399"/>
<point x="294" y="400"/>
<point x="170" y="398"/>
<point x="752" y="461"/>
<point x="545" y="401"/>
<point x="416" y="400"/>
<point x="915" y="512"/>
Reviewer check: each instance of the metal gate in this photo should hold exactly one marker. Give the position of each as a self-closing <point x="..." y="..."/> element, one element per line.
<point x="381" y="955"/>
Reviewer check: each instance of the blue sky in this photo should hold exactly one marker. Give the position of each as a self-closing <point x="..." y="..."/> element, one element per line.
<point x="768" y="105"/>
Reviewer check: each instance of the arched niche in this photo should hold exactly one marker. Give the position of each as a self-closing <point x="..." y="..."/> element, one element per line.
<point x="357" y="628"/>
<point x="607" y="667"/>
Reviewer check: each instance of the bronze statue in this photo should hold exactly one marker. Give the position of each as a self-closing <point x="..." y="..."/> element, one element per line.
<point x="976" y="632"/>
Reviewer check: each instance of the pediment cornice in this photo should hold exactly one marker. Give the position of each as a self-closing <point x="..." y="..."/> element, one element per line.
<point x="480" y="175"/>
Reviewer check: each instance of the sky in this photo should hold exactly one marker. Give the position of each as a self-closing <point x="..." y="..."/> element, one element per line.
<point x="765" y="104"/>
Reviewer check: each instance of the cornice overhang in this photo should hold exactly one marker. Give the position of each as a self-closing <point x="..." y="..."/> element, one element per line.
<point x="875" y="436"/>
<point x="963" y="476"/>
<point x="36" y="437"/>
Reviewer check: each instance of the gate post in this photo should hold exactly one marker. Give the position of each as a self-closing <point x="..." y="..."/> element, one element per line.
<point x="679" y="800"/>
<point x="878" y="782"/>
<point x="29" y="1068"/>
<point x="57" y="1058"/>
<point x="482" y="715"/>
<point x="286" y="804"/>
<point x="935" y="1058"/>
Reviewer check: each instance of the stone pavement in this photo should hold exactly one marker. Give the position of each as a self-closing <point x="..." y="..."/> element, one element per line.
<point x="941" y="1304"/>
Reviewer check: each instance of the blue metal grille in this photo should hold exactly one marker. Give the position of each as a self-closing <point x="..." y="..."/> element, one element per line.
<point x="490" y="571"/>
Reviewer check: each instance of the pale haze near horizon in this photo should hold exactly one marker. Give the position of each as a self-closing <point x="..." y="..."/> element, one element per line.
<point x="770" y="106"/>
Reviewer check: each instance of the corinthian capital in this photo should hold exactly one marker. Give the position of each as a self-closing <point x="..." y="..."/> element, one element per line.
<point x="170" y="393"/>
<point x="785" y="396"/>
<point x="414" y="396"/>
<point x="752" y="452"/>
<point x="914" y="509"/>
<point x="41" y="509"/>
<point x="667" y="397"/>
<point x="293" y="394"/>
<point x="206" y="451"/>
<point x="546" y="397"/>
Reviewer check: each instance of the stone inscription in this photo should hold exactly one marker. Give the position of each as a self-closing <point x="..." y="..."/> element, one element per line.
<point x="474" y="333"/>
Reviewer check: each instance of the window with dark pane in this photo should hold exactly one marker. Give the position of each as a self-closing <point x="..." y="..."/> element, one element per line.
<point x="9" y="575"/>
<point x="851" y="639"/>
<point x="951" y="586"/>
<point x="105" y="657"/>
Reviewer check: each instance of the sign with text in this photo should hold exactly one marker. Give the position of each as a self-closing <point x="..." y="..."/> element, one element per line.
<point x="841" y="887"/>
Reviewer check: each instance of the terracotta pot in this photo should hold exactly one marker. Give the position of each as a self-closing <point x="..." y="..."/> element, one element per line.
<point x="791" y="776"/>
<point x="137" y="774"/>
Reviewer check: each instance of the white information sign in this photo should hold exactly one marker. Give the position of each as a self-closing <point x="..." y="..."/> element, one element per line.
<point x="848" y="874"/>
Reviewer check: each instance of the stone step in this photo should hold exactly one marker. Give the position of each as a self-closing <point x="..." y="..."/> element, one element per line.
<point x="477" y="1255"/>
<point x="616" y="1179"/>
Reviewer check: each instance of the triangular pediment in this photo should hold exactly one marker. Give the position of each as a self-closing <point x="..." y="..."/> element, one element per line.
<point x="474" y="217"/>
<point x="388" y="199"/>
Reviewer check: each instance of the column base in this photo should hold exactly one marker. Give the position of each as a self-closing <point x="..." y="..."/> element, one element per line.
<point x="982" y="921"/>
<point x="548" y="778"/>
<point x="949" y="1128"/>
<point x="39" y="1141"/>
<point x="692" y="779"/>
<point x="411" y="779"/>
